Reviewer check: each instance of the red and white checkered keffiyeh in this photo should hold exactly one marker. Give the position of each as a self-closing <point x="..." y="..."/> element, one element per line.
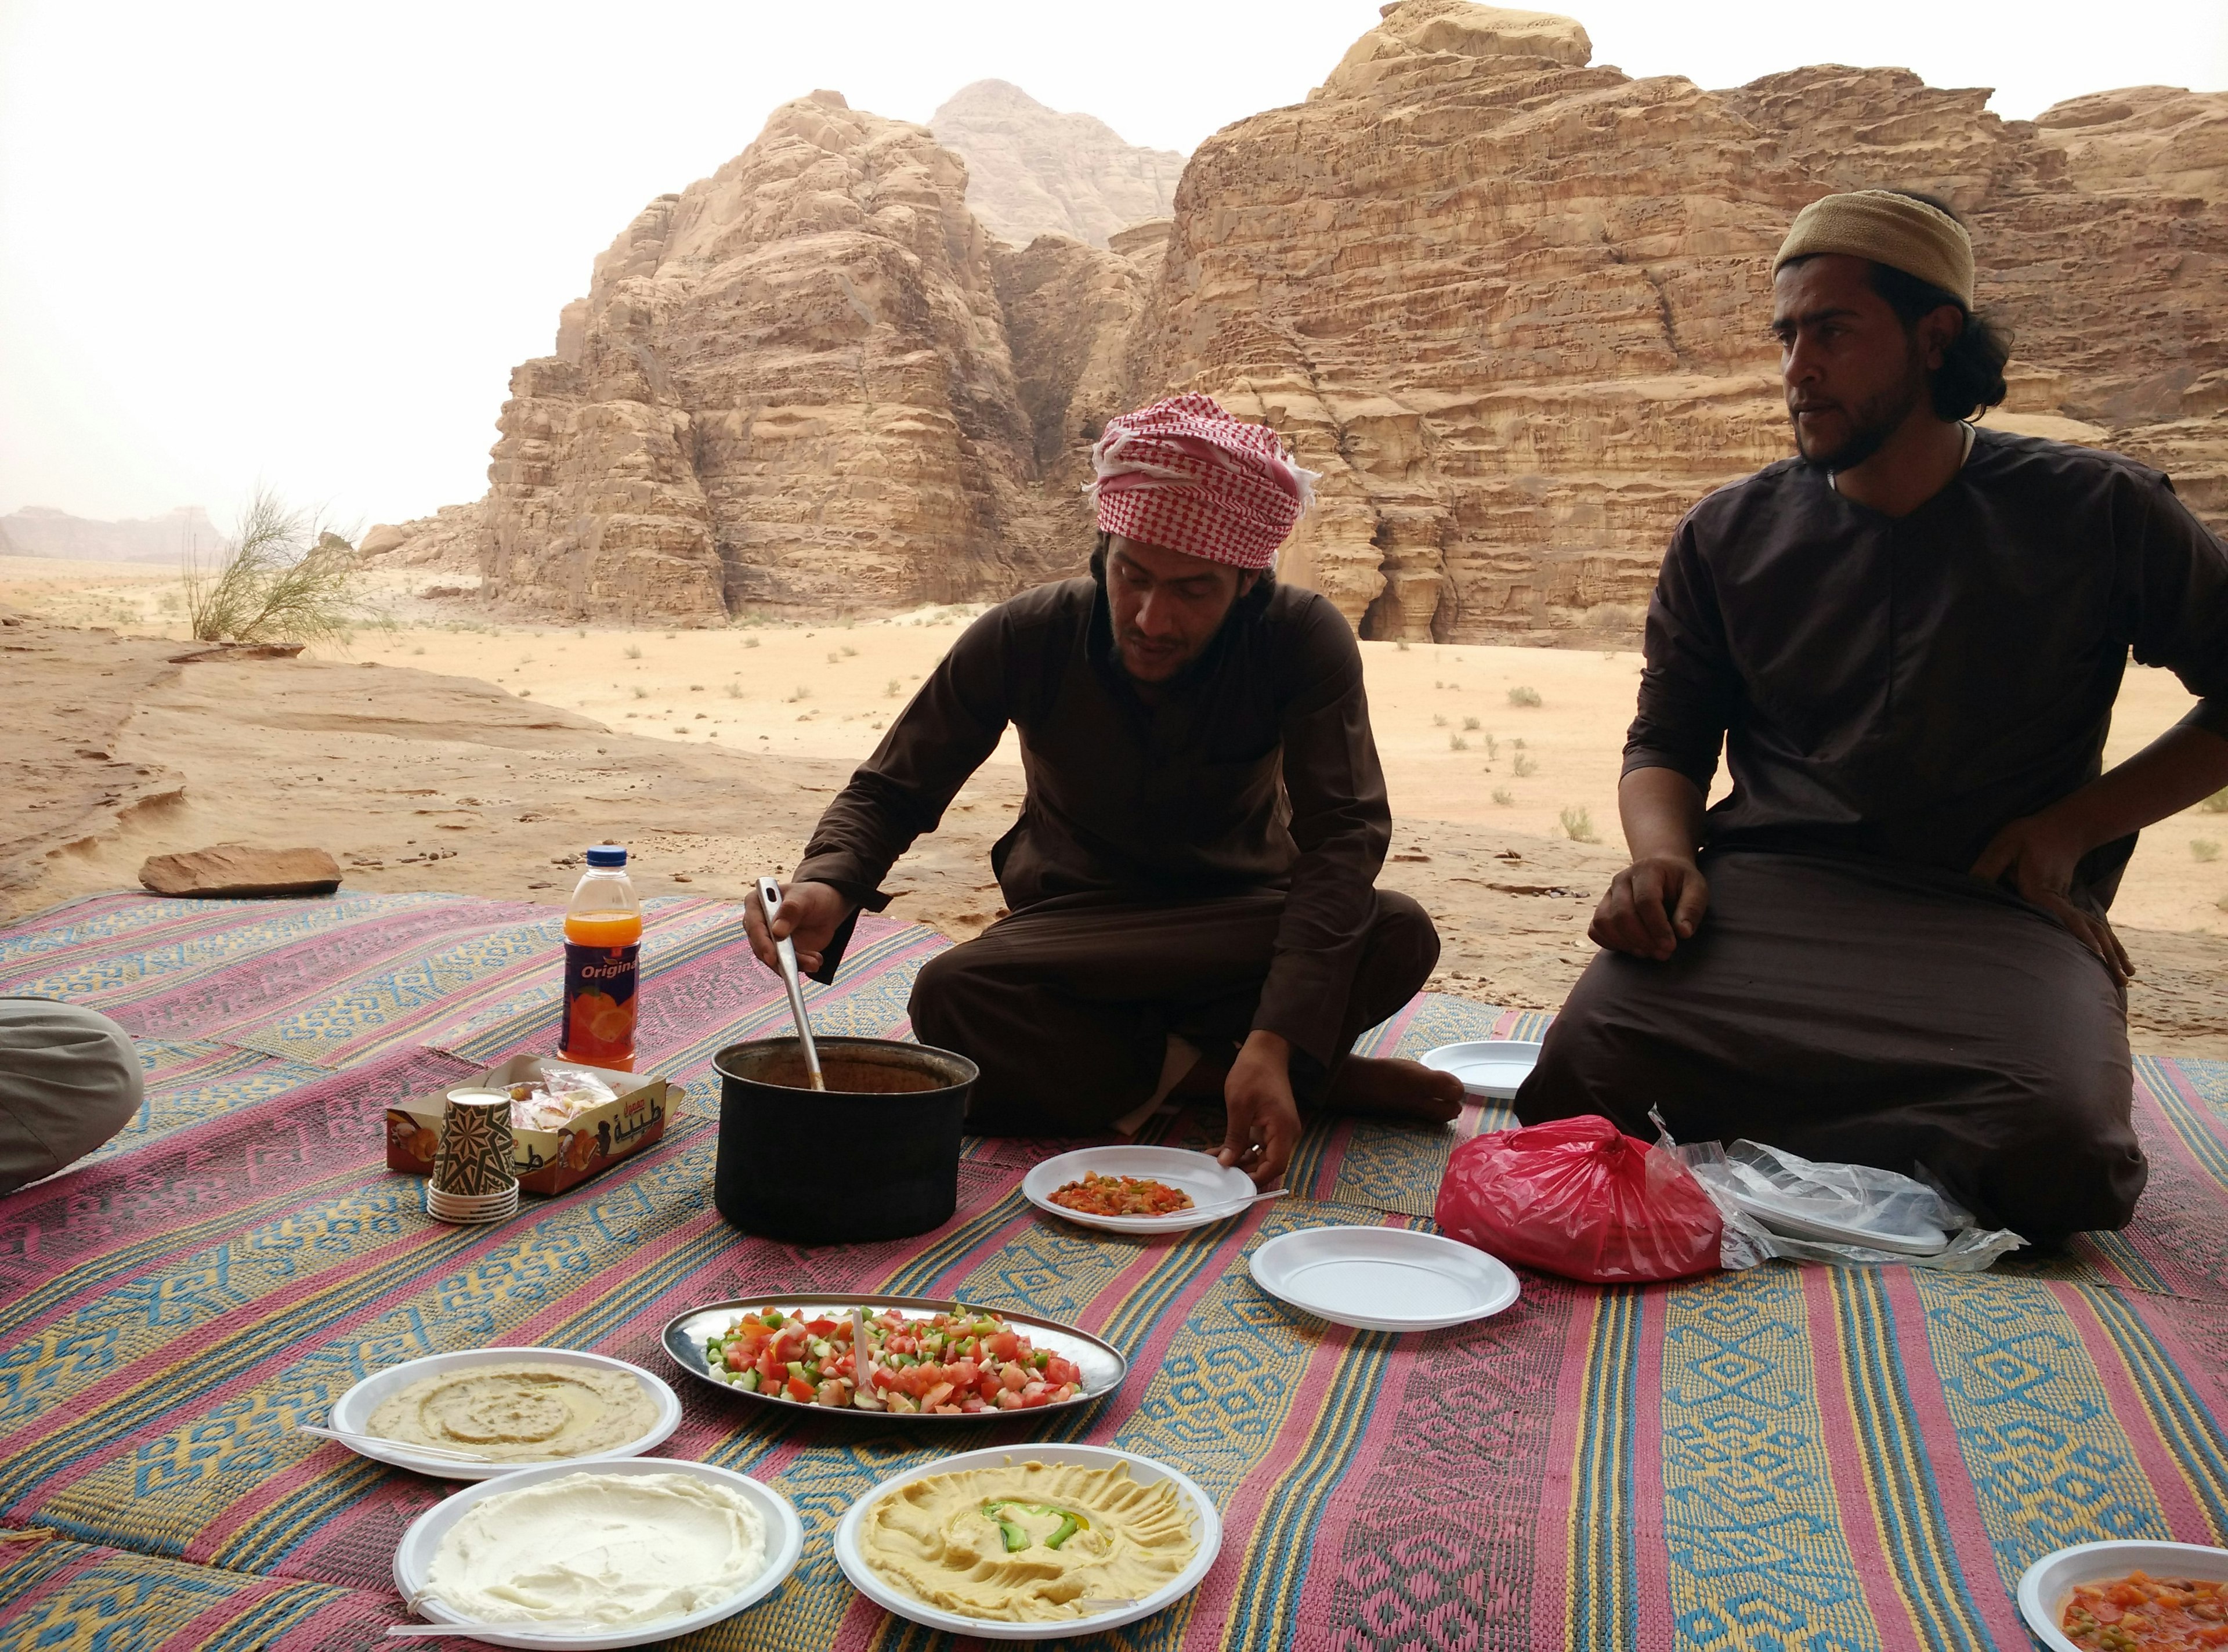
<point x="1184" y="474"/>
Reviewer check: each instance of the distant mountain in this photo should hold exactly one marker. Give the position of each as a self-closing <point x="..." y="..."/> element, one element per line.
<point x="1032" y="171"/>
<point x="38" y="530"/>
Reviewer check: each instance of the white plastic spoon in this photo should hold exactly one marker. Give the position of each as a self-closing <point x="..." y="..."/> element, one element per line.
<point x="1241" y="1204"/>
<point x="347" y="1438"/>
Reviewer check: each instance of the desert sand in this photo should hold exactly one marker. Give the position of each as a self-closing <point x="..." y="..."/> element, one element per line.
<point x="442" y="751"/>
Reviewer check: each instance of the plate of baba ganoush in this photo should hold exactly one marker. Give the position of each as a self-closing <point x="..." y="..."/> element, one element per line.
<point x="931" y="1358"/>
<point x="598" y="1554"/>
<point x="498" y="1409"/>
<point x="1095" y="1537"/>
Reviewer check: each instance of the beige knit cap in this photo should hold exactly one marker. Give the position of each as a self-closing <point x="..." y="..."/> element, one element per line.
<point x="1888" y="228"/>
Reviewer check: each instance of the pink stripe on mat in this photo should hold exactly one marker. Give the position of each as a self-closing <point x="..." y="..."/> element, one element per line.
<point x="1855" y="1509"/>
<point x="1559" y="1494"/>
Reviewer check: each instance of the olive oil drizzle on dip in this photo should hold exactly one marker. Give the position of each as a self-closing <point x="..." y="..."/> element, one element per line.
<point x="519" y="1411"/>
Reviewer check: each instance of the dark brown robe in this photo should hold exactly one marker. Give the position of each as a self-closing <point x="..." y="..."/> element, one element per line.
<point x="1890" y="693"/>
<point x="1200" y="863"/>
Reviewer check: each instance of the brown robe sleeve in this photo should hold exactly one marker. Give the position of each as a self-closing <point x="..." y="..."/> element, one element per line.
<point x="1341" y="823"/>
<point x="946" y="733"/>
<point x="2173" y="600"/>
<point x="1689" y="689"/>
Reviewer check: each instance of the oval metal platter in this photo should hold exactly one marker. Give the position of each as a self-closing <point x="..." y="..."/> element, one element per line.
<point x="1102" y="1365"/>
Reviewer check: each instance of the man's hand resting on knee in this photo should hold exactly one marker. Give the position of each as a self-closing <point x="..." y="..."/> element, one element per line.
<point x="1659" y="901"/>
<point x="1264" y="1120"/>
<point x="810" y="914"/>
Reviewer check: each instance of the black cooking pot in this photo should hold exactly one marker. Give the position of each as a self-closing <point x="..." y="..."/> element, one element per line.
<point x="874" y="1157"/>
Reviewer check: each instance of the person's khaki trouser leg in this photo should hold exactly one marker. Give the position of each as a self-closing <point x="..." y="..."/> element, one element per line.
<point x="69" y="1079"/>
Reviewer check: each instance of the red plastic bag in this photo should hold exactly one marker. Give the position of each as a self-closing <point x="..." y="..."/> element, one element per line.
<point x="1580" y="1198"/>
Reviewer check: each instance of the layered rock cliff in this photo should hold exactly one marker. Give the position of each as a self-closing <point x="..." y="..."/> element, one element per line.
<point x="1035" y="171"/>
<point x="1509" y="302"/>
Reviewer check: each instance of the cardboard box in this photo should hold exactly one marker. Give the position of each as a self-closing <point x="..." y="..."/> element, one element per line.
<point x="548" y="1160"/>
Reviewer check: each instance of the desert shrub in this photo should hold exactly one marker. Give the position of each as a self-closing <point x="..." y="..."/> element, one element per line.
<point x="1523" y="696"/>
<point x="2204" y="848"/>
<point x="1456" y="743"/>
<point x="803" y="693"/>
<point x="1503" y="796"/>
<point x="284" y="576"/>
<point x="835" y="658"/>
<point x="2217" y="803"/>
<point x="849" y="653"/>
<point x="750" y="642"/>
<point x="891" y="688"/>
<point x="1579" y="826"/>
<point x="1522" y="767"/>
<point x="641" y="693"/>
<point x="634" y="650"/>
<point x="1470" y="725"/>
<point x="1438" y="721"/>
<point x="695" y="687"/>
<point x="1400" y="643"/>
<point x="733" y="690"/>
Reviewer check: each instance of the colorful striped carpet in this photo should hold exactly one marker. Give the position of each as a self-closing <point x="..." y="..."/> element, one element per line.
<point x="1791" y="1457"/>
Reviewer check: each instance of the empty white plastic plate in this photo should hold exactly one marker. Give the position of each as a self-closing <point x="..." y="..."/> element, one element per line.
<point x="1814" y="1218"/>
<point x="2049" y="1583"/>
<point x="1489" y="1068"/>
<point x="1382" y="1279"/>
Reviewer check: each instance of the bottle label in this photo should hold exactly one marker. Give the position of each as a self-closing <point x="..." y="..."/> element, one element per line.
<point x="599" y="1004"/>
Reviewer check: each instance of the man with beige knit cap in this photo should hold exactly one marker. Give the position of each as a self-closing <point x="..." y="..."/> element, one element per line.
<point x="1888" y="944"/>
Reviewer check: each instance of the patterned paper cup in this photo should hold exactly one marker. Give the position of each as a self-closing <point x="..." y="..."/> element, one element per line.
<point x="470" y="1208"/>
<point x="475" y="1157"/>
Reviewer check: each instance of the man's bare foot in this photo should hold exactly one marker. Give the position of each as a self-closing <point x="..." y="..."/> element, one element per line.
<point x="1393" y="1089"/>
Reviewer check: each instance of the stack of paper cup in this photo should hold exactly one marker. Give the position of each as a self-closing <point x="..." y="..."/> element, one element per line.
<point x="474" y="1178"/>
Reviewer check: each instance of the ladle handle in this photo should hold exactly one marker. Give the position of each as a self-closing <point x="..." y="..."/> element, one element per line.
<point x="770" y="898"/>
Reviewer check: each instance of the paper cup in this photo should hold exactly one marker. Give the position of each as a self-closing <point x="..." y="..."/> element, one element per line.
<point x="471" y="1208"/>
<point x="475" y="1155"/>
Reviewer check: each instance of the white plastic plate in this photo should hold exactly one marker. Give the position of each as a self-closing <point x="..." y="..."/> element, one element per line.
<point x="1215" y="1192"/>
<point x="1382" y="1279"/>
<point x="1490" y="1069"/>
<point x="1804" y="1220"/>
<point x="1206" y="1530"/>
<point x="354" y="1409"/>
<point x="2049" y="1582"/>
<point x="784" y="1544"/>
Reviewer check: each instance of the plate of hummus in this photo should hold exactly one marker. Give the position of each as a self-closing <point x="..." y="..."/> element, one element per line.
<point x="516" y="1408"/>
<point x="1206" y="1191"/>
<point x="1030" y="1543"/>
<point x="642" y="1549"/>
<point x="946" y="1355"/>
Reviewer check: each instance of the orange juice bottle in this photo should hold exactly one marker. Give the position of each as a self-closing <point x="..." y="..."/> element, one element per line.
<point x="603" y="937"/>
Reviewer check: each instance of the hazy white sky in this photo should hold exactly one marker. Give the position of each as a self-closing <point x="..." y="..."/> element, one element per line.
<point x="306" y="243"/>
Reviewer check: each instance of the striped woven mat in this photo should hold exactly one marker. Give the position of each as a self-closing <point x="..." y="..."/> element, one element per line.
<point x="1789" y="1458"/>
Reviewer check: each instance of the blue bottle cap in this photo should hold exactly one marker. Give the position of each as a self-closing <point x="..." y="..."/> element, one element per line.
<point x="607" y="855"/>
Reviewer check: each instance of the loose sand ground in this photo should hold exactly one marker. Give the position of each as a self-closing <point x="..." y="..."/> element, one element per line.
<point x="448" y="752"/>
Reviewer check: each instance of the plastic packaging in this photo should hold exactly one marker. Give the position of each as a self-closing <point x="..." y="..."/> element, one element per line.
<point x="558" y="1097"/>
<point x="1777" y="1204"/>
<point x="603" y="940"/>
<point x="1579" y="1197"/>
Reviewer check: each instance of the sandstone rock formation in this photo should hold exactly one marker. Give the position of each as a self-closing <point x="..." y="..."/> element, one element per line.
<point x="240" y="870"/>
<point x="1509" y="302"/>
<point x="1033" y="171"/>
<point x="38" y="530"/>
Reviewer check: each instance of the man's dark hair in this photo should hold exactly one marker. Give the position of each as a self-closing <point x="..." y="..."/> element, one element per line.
<point x="1971" y="376"/>
<point x="1248" y="607"/>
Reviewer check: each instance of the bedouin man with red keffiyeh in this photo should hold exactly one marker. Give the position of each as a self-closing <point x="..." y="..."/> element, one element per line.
<point x="1191" y="882"/>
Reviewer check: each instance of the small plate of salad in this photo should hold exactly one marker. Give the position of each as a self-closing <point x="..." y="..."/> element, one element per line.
<point x="928" y="1358"/>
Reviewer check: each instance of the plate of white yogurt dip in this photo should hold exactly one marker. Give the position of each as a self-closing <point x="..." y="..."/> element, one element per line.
<point x="512" y="1408"/>
<point x="643" y="1549"/>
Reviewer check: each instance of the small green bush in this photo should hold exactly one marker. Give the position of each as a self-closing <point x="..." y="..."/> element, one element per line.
<point x="1456" y="743"/>
<point x="2204" y="848"/>
<point x="1471" y="725"/>
<point x="2217" y="803"/>
<point x="634" y="650"/>
<point x="1503" y="796"/>
<point x="1522" y="696"/>
<point x="1523" y="766"/>
<point x="1579" y="826"/>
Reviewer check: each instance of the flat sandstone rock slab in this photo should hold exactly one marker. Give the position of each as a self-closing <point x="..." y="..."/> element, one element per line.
<point x="242" y="870"/>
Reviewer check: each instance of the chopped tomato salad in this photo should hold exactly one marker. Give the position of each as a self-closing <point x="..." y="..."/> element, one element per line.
<point x="951" y="1364"/>
<point x="1097" y="1195"/>
<point x="2144" y="1614"/>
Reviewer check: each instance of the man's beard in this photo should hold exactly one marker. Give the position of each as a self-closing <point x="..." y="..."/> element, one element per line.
<point x="1872" y="422"/>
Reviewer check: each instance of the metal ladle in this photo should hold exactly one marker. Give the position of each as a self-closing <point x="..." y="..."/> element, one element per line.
<point x="770" y="898"/>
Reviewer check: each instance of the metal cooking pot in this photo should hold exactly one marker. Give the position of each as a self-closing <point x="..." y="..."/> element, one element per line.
<point x="874" y="1157"/>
